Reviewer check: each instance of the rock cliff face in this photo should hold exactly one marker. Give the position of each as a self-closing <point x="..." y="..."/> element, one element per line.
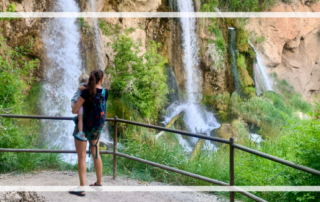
<point x="18" y="32"/>
<point x="291" y="46"/>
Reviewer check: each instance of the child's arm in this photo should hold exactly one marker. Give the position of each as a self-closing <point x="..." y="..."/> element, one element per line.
<point x="81" y="88"/>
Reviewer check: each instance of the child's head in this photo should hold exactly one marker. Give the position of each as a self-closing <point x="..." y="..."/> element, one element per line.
<point x="84" y="78"/>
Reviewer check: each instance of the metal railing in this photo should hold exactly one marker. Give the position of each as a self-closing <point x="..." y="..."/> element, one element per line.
<point x="115" y="154"/>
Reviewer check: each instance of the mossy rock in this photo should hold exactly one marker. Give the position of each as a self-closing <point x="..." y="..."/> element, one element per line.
<point x="242" y="38"/>
<point x="223" y="101"/>
<point x="236" y="129"/>
<point x="116" y="107"/>
<point x="250" y="91"/>
<point x="197" y="149"/>
<point x="31" y="100"/>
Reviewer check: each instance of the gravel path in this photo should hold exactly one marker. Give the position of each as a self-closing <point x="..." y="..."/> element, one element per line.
<point x="68" y="178"/>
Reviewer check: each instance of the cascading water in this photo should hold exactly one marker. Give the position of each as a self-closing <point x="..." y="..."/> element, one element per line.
<point x="100" y="61"/>
<point x="61" y="41"/>
<point x="262" y="81"/>
<point x="233" y="48"/>
<point x="196" y="118"/>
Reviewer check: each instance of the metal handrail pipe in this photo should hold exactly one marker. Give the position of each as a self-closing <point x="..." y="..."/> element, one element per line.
<point x="47" y="151"/>
<point x="124" y="121"/>
<point x="175" y="131"/>
<point x="43" y="117"/>
<point x="35" y="117"/>
<point x="278" y="160"/>
<point x="195" y="176"/>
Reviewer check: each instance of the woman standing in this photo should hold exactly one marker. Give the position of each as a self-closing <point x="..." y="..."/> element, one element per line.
<point x="93" y="99"/>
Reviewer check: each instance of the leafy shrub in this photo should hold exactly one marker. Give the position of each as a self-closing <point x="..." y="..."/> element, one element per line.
<point x="139" y="79"/>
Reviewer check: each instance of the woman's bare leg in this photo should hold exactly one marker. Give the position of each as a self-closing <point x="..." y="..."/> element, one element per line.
<point x="97" y="162"/>
<point x="81" y="147"/>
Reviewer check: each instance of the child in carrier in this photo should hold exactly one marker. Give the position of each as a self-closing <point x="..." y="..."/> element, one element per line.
<point x="83" y="80"/>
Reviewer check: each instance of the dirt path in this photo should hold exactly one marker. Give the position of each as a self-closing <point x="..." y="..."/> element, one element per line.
<point x="68" y="178"/>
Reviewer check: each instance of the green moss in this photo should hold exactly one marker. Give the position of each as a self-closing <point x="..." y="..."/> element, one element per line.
<point x="31" y="100"/>
<point x="242" y="39"/>
<point x="223" y="103"/>
<point x="250" y="91"/>
<point x="118" y="107"/>
<point x="245" y="78"/>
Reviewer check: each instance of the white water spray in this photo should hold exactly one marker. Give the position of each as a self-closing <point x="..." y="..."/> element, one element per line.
<point x="262" y="81"/>
<point x="196" y="118"/>
<point x="97" y="38"/>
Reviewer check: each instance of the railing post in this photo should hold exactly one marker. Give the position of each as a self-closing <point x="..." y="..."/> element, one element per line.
<point x="231" y="168"/>
<point x="115" y="148"/>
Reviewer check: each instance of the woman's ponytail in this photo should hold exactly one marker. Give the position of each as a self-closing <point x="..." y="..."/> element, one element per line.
<point x="94" y="79"/>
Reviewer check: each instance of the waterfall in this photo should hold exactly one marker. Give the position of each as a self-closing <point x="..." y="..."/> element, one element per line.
<point x="262" y="81"/>
<point x="97" y="38"/>
<point x="190" y="49"/>
<point x="61" y="40"/>
<point x="234" y="69"/>
<point x="197" y="119"/>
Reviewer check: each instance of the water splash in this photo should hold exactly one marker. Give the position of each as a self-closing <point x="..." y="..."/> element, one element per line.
<point x="256" y="138"/>
<point x="97" y="38"/>
<point x="262" y="80"/>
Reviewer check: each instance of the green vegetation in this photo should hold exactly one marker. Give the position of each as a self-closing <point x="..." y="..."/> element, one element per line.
<point x="83" y="23"/>
<point x="246" y="5"/>
<point x="108" y="29"/>
<point x="139" y="80"/>
<point x="15" y="68"/>
<point x="220" y="41"/>
<point x="130" y="30"/>
<point x="245" y="79"/>
<point x="31" y="100"/>
<point x="239" y="5"/>
<point x="11" y="8"/>
<point x="270" y="112"/>
<point x="297" y="143"/>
